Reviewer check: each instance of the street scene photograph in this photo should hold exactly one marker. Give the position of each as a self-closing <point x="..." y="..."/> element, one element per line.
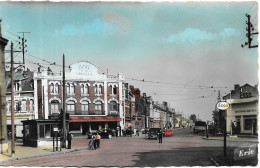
<point x="129" y="84"/>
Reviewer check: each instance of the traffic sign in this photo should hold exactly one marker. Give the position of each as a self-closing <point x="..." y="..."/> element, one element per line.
<point x="222" y="105"/>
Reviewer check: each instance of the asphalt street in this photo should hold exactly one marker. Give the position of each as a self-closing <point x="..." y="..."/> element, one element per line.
<point x="182" y="149"/>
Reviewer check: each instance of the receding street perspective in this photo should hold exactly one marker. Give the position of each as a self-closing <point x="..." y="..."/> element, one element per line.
<point x="129" y="84"/>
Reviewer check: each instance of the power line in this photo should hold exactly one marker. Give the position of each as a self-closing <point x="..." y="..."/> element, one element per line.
<point x="178" y="84"/>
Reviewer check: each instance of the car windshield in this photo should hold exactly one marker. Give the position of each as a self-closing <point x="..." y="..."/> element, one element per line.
<point x="200" y="123"/>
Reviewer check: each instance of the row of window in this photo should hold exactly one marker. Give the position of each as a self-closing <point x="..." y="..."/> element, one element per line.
<point x="21" y="105"/>
<point x="113" y="106"/>
<point x="84" y="89"/>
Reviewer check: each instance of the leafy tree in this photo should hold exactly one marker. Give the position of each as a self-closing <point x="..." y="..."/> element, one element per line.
<point x="193" y="118"/>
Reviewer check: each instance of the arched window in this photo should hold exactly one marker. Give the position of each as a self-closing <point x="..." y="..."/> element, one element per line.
<point x="56" y="89"/>
<point x="86" y="89"/>
<point x="54" y="106"/>
<point x="72" y="89"/>
<point x="98" y="107"/>
<point x="84" y="107"/>
<point x="52" y="88"/>
<point x="113" y="106"/>
<point x="82" y="89"/>
<point x="68" y="89"/>
<point x="115" y="89"/>
<point x="99" y="89"/>
<point x="96" y="89"/>
<point x="110" y="89"/>
<point x="71" y="107"/>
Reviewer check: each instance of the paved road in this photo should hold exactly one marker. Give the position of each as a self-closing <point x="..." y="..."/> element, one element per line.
<point x="183" y="149"/>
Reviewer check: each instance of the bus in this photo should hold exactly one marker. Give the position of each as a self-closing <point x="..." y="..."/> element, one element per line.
<point x="200" y="126"/>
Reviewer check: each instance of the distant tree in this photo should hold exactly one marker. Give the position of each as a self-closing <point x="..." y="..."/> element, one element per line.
<point x="193" y="118"/>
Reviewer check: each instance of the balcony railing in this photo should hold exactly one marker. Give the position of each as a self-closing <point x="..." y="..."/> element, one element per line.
<point x="113" y="113"/>
<point x="86" y="113"/>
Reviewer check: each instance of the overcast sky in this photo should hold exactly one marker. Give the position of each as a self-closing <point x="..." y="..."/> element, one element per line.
<point x="179" y="50"/>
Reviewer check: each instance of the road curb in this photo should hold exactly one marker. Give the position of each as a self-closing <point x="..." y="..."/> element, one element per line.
<point x="229" y="140"/>
<point x="214" y="161"/>
<point x="46" y="154"/>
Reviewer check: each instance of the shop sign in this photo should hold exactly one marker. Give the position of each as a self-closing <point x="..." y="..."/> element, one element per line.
<point x="222" y="105"/>
<point x="244" y="152"/>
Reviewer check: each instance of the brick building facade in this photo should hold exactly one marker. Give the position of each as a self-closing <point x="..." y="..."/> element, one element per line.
<point x="94" y="101"/>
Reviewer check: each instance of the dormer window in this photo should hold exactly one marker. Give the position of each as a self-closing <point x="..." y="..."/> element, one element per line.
<point x="17" y="86"/>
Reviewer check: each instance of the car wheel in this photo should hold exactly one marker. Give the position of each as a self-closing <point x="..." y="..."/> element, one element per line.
<point x="109" y="136"/>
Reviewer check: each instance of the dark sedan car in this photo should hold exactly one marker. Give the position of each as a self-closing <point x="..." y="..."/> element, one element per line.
<point x="106" y="133"/>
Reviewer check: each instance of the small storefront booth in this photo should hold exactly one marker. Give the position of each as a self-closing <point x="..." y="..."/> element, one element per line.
<point x="40" y="132"/>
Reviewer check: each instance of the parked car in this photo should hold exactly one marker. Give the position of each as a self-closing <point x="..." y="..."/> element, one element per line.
<point x="167" y="132"/>
<point x="145" y="131"/>
<point x="128" y="131"/>
<point x="153" y="132"/>
<point x="106" y="133"/>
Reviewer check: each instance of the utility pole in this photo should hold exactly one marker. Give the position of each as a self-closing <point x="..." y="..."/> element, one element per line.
<point x="12" y="101"/>
<point x="63" y="104"/>
<point x="23" y="44"/>
<point x="249" y="29"/>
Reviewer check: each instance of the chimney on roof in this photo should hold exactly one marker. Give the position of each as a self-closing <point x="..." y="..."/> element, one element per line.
<point x="236" y="86"/>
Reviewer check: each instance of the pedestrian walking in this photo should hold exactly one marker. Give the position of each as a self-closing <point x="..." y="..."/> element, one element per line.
<point x="69" y="138"/>
<point x="160" y="135"/>
<point x="95" y="141"/>
<point x="91" y="144"/>
<point x="98" y="137"/>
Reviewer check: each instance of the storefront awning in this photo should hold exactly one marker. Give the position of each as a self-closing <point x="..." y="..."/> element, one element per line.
<point x="94" y="119"/>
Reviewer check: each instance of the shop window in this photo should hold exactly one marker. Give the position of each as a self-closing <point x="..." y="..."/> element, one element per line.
<point x="248" y="124"/>
<point x="74" y="126"/>
<point x="45" y="131"/>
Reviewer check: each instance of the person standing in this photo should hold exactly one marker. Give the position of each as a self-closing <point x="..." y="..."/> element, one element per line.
<point x="95" y="141"/>
<point x="98" y="137"/>
<point x="69" y="138"/>
<point x="160" y="135"/>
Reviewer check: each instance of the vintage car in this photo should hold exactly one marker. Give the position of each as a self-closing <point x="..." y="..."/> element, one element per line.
<point x="128" y="131"/>
<point x="106" y="133"/>
<point x="153" y="132"/>
<point x="167" y="132"/>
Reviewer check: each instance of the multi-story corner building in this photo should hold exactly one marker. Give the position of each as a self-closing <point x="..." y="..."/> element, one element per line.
<point x="242" y="113"/>
<point x="138" y="116"/>
<point x="23" y="99"/>
<point x="94" y="101"/>
<point x="131" y="119"/>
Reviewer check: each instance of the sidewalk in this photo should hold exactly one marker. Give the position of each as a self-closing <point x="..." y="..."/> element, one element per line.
<point x="220" y="160"/>
<point x="24" y="152"/>
<point x="253" y="139"/>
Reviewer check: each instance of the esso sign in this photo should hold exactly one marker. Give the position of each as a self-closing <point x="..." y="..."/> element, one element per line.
<point x="222" y="105"/>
